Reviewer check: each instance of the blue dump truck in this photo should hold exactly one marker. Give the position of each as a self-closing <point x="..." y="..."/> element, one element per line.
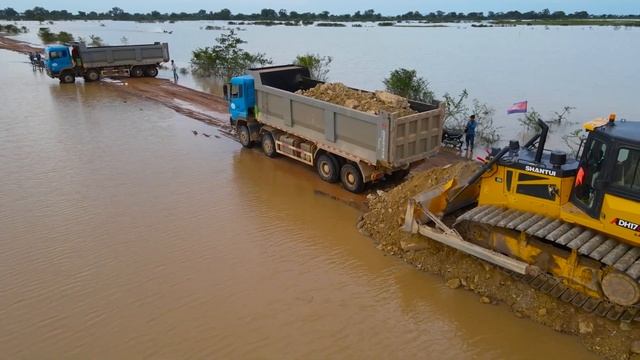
<point x="343" y="144"/>
<point x="66" y="62"/>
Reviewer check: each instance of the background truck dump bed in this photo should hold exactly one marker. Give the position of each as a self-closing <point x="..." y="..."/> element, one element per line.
<point x="384" y="139"/>
<point x="126" y="55"/>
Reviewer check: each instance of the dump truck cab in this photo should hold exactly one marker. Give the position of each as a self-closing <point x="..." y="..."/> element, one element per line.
<point x="57" y="59"/>
<point x="240" y="93"/>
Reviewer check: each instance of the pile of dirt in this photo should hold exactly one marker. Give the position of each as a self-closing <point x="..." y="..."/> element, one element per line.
<point x="372" y="103"/>
<point x="383" y="222"/>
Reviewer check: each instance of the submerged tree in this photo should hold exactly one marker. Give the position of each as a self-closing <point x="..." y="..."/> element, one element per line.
<point x="318" y="65"/>
<point x="459" y="110"/>
<point x="226" y="58"/>
<point x="96" y="40"/>
<point x="64" y="37"/>
<point x="46" y="36"/>
<point x="408" y="84"/>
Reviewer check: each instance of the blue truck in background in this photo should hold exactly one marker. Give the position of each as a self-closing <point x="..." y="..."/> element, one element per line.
<point x="67" y="62"/>
<point x="342" y="143"/>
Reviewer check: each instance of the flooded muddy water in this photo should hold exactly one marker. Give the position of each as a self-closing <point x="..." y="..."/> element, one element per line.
<point x="124" y="235"/>
<point x="592" y="69"/>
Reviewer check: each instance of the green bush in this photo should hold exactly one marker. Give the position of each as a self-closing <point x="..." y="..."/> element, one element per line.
<point x="46" y="36"/>
<point x="64" y="37"/>
<point x="226" y="58"/>
<point x="331" y="24"/>
<point x="408" y="84"/>
<point x="318" y="65"/>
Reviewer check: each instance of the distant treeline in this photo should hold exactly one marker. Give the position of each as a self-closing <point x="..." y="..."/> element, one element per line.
<point x="116" y="13"/>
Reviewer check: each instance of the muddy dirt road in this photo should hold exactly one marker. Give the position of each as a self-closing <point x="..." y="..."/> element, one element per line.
<point x="195" y="104"/>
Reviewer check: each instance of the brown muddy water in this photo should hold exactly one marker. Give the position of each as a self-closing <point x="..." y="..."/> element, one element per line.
<point x="123" y="235"/>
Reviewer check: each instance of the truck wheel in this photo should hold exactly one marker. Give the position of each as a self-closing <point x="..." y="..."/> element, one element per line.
<point x="245" y="136"/>
<point x="327" y="167"/>
<point x="137" y="71"/>
<point x="151" y="71"/>
<point x="67" y="78"/>
<point x="268" y="145"/>
<point x="92" y="75"/>
<point x="351" y="178"/>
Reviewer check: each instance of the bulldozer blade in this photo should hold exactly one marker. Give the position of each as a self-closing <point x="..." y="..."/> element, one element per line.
<point x="440" y="200"/>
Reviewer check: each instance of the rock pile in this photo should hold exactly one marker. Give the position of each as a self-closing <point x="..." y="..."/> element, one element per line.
<point x="373" y="103"/>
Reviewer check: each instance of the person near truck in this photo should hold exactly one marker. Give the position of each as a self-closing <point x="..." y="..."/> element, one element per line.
<point x="470" y="132"/>
<point x="174" y="68"/>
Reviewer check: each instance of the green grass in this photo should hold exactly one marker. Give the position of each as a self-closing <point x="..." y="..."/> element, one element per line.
<point x="571" y="22"/>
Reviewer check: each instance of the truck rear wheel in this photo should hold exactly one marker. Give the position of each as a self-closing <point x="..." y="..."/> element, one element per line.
<point x="137" y="71"/>
<point x="245" y="136"/>
<point x="67" y="78"/>
<point x="268" y="145"/>
<point x="92" y="75"/>
<point x="351" y="178"/>
<point x="151" y="71"/>
<point x="328" y="168"/>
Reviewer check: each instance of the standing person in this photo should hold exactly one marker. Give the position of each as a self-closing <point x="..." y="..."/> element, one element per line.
<point x="39" y="60"/>
<point x="174" y="68"/>
<point x="470" y="133"/>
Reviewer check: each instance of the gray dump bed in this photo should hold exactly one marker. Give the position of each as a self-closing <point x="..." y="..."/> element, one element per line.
<point x="384" y="139"/>
<point x="125" y="55"/>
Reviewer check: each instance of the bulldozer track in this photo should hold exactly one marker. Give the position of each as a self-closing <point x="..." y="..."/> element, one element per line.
<point x="586" y="242"/>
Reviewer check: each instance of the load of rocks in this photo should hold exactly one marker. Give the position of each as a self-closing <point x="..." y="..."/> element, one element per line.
<point x="373" y="103"/>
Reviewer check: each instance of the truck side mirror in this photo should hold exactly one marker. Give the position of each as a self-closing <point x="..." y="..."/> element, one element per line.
<point x="225" y="91"/>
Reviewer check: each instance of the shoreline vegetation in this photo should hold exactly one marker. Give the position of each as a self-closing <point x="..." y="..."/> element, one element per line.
<point x="271" y="17"/>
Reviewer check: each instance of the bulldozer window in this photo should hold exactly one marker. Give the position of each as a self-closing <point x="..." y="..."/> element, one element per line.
<point x="589" y="172"/>
<point x="626" y="173"/>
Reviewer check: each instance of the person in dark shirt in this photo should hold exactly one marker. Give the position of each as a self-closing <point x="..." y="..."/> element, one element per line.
<point x="470" y="132"/>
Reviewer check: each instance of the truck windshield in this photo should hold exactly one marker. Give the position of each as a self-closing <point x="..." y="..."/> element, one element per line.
<point x="57" y="54"/>
<point x="236" y="91"/>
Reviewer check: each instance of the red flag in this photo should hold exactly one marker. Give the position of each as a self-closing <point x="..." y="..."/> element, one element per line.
<point x="519" y="107"/>
<point x="580" y="176"/>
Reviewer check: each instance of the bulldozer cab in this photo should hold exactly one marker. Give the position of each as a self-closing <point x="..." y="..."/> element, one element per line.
<point x="609" y="165"/>
<point x="607" y="184"/>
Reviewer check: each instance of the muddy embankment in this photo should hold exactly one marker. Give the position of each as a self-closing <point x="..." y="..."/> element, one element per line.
<point x="383" y="221"/>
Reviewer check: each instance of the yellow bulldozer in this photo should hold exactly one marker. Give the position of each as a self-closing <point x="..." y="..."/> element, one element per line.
<point x="569" y="227"/>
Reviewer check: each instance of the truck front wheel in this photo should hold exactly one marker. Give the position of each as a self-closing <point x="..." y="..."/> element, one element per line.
<point x="67" y="78"/>
<point x="328" y="168"/>
<point x="151" y="71"/>
<point x="245" y="136"/>
<point x="268" y="145"/>
<point x="351" y="178"/>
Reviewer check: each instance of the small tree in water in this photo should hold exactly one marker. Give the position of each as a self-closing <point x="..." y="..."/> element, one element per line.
<point x="408" y="84"/>
<point x="46" y="36"/>
<point x="226" y="58"/>
<point x="96" y="40"/>
<point x="64" y="37"/>
<point x="459" y="110"/>
<point x="318" y="65"/>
